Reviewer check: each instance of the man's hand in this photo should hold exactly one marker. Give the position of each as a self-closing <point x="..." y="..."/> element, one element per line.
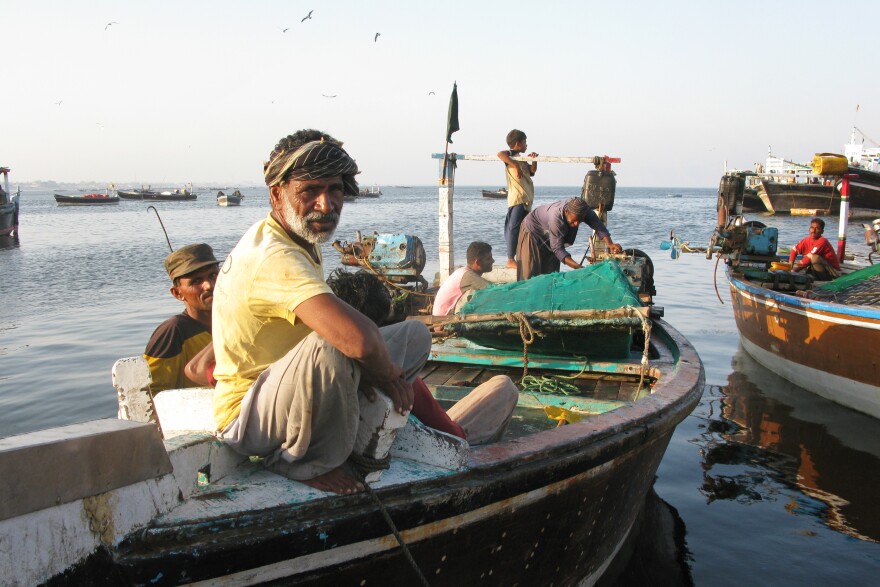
<point x="398" y="390"/>
<point x="616" y="248"/>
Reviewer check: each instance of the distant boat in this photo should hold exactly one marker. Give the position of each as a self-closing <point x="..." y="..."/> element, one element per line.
<point x="86" y="200"/>
<point x="233" y="199"/>
<point x="373" y="192"/>
<point x="8" y="206"/>
<point x="176" y="195"/>
<point x="499" y="194"/>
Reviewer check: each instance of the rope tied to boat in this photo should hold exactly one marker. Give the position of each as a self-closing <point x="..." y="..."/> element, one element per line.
<point x="358" y="461"/>
<point x="526" y="333"/>
<point x="366" y="465"/>
<point x="646" y="329"/>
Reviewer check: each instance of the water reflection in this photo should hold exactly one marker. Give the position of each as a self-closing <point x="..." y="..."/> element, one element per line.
<point x="9" y="242"/>
<point x="771" y="434"/>
<point x="656" y="552"/>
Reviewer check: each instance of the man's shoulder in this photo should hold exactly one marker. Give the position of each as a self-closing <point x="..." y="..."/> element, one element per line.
<point x="170" y="335"/>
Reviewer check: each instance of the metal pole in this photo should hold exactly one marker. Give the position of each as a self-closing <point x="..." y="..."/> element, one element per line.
<point x="844" y="215"/>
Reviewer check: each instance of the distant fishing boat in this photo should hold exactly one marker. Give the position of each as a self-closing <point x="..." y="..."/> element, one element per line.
<point x="498" y="194"/>
<point x="8" y="206"/>
<point x="93" y="199"/>
<point x="233" y="199"/>
<point x="372" y="192"/>
<point x="176" y="195"/>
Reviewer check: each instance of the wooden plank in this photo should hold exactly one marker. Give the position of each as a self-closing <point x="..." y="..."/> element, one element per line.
<point x="465" y="377"/>
<point x="607" y="390"/>
<point x="428" y="369"/>
<point x="442" y="374"/>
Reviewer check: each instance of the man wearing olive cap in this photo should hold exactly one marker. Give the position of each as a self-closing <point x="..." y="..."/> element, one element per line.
<point x="193" y="271"/>
<point x="291" y="356"/>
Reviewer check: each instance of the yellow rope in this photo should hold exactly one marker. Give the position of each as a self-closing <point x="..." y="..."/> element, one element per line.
<point x="366" y="262"/>
<point x="526" y="333"/>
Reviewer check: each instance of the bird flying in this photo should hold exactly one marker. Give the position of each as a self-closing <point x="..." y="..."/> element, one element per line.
<point x="58" y="103"/>
<point x="376" y="38"/>
<point x="431" y="94"/>
<point x="329" y="96"/>
<point x="284" y="30"/>
<point x="308" y="16"/>
<point x="107" y="26"/>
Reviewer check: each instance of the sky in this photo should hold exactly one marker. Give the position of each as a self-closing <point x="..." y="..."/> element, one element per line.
<point x="200" y="92"/>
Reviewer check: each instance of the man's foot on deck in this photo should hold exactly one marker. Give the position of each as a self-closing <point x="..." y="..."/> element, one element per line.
<point x="511" y="264"/>
<point x="340" y="480"/>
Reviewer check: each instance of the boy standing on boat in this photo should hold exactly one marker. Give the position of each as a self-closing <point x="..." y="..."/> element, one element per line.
<point x="291" y="356"/>
<point x="464" y="279"/>
<point x="819" y="258"/>
<point x="193" y="270"/>
<point x="548" y="229"/>
<point x="520" y="190"/>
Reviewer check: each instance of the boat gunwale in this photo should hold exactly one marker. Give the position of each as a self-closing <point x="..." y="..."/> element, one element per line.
<point x="741" y="282"/>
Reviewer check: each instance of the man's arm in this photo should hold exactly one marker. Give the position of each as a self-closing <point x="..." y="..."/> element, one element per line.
<point x="196" y="369"/>
<point x="533" y="168"/>
<point x="505" y="156"/>
<point x="358" y="338"/>
<point x="794" y="253"/>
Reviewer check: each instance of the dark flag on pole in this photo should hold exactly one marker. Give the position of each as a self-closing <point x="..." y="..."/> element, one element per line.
<point x="452" y="122"/>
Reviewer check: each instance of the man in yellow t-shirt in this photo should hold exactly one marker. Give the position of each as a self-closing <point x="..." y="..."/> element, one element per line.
<point x="291" y="356"/>
<point x="193" y="271"/>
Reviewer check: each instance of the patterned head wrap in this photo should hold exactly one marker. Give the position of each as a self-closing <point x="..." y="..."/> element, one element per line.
<point x="314" y="160"/>
<point x="578" y="207"/>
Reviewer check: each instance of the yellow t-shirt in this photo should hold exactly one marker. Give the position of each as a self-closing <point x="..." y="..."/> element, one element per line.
<point x="520" y="190"/>
<point x="266" y="276"/>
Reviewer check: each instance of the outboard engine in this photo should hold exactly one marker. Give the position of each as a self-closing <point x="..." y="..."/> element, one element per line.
<point x="399" y="258"/>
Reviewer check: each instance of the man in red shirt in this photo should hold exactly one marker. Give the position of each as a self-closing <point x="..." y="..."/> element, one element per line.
<point x="819" y="258"/>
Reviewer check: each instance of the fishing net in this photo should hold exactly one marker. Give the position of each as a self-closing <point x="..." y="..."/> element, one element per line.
<point x="580" y="314"/>
<point x="851" y="279"/>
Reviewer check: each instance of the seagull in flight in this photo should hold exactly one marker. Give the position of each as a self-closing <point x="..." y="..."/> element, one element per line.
<point x="329" y="96"/>
<point x="376" y="38"/>
<point x="107" y="26"/>
<point x="431" y="94"/>
<point x="284" y="30"/>
<point x="58" y="103"/>
<point x="308" y="16"/>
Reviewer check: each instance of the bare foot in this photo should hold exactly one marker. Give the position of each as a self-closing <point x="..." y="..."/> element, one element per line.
<point x="511" y="264"/>
<point x="340" y="481"/>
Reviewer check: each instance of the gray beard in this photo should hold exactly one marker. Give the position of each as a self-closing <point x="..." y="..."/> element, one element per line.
<point x="299" y="225"/>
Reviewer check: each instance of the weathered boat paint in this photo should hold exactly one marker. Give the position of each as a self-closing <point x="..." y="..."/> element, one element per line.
<point x="824" y="347"/>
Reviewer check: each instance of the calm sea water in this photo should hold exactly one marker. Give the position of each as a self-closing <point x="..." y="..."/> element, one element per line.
<point x="763" y="483"/>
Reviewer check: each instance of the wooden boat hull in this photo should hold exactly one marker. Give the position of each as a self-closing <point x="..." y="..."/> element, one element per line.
<point x="782" y="198"/>
<point x="158" y="196"/>
<point x="226" y="201"/>
<point x="85" y="201"/>
<point x="822" y="347"/>
<point x="550" y="506"/>
<point x="8" y="218"/>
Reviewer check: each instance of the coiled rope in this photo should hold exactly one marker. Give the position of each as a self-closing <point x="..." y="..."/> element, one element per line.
<point x="526" y="333"/>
